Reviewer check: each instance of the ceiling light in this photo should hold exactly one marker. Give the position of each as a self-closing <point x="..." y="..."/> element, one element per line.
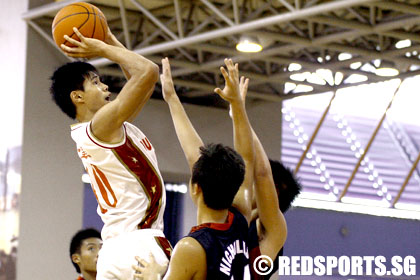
<point x="355" y="65"/>
<point x="356" y="78"/>
<point x="403" y="44"/>
<point x="294" y="67"/>
<point x="344" y="56"/>
<point x="249" y="44"/>
<point x="386" y="69"/>
<point x="338" y="78"/>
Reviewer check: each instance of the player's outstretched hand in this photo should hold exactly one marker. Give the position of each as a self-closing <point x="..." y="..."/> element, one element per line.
<point x="231" y="91"/>
<point x="243" y="89"/>
<point x="86" y="48"/>
<point x="168" y="89"/>
<point x="148" y="271"/>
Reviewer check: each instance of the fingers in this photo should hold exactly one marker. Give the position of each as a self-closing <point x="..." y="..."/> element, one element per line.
<point x="232" y="68"/>
<point x="78" y="34"/>
<point x="244" y="87"/>
<point x="166" y="67"/>
<point x="72" y="41"/>
<point x="137" y="269"/>
<point x="224" y="73"/>
<point x="218" y="91"/>
<point x="152" y="258"/>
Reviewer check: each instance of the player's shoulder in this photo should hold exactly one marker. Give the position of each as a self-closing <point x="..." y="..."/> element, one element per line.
<point x="78" y="126"/>
<point x="188" y="256"/>
<point x="189" y="245"/>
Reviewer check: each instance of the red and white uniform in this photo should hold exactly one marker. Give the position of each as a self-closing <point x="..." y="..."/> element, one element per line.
<point x="126" y="182"/>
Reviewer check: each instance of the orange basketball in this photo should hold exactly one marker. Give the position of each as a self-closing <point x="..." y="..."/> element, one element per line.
<point x="90" y="21"/>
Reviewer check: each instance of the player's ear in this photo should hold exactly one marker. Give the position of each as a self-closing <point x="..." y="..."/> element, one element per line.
<point x="75" y="258"/>
<point x="195" y="189"/>
<point x="76" y="96"/>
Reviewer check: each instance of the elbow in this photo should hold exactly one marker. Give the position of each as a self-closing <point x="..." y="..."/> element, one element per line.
<point x="261" y="172"/>
<point x="153" y="72"/>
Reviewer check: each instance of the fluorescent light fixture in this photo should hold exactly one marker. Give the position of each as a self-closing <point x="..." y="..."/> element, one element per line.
<point x="303" y="88"/>
<point x="344" y="56"/>
<point x="367" y="67"/>
<point x="294" y="67"/>
<point x="249" y="44"/>
<point x="386" y="69"/>
<point x="338" y="78"/>
<point x="403" y="44"/>
<point x="356" y="78"/>
<point x="327" y="75"/>
<point x="317" y="79"/>
<point x="300" y="76"/>
<point x="355" y="65"/>
<point x="288" y="87"/>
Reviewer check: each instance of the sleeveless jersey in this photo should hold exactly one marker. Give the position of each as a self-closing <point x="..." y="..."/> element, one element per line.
<point x="254" y="252"/>
<point x="125" y="179"/>
<point x="226" y="247"/>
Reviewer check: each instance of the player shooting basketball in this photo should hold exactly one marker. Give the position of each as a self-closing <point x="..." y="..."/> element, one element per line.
<point x="118" y="157"/>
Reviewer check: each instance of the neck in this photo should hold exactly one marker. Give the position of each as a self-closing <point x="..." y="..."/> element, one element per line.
<point x="208" y="215"/>
<point x="83" y="115"/>
<point x="89" y="275"/>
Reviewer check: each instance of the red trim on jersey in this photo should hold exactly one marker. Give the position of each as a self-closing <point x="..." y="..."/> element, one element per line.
<point x="139" y="166"/>
<point x="253" y="254"/>
<point x="216" y="226"/>
<point x="80" y="278"/>
<point x="75" y="127"/>
<point x="164" y="245"/>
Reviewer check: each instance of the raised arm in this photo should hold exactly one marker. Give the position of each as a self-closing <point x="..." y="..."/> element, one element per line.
<point x="113" y="41"/>
<point x="272" y="227"/>
<point x="143" y="74"/>
<point x="188" y="137"/>
<point x="242" y="134"/>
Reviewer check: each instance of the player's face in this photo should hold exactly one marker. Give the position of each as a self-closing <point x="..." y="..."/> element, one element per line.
<point x="96" y="93"/>
<point x="89" y="254"/>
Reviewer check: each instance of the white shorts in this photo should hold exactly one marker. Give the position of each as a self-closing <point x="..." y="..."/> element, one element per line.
<point x="117" y="255"/>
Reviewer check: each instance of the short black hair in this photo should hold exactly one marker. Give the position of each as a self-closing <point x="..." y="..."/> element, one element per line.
<point x="76" y="242"/>
<point x="219" y="172"/>
<point x="67" y="78"/>
<point x="287" y="185"/>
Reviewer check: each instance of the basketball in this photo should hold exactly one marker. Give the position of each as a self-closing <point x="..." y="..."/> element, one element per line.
<point x="90" y="21"/>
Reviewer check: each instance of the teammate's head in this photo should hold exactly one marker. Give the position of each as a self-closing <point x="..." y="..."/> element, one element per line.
<point x="287" y="185"/>
<point x="219" y="172"/>
<point x="84" y="248"/>
<point x="66" y="79"/>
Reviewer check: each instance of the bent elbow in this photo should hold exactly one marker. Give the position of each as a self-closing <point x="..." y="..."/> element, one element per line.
<point x="151" y="72"/>
<point x="154" y="72"/>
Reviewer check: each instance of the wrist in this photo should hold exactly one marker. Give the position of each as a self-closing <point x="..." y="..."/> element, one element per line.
<point x="235" y="103"/>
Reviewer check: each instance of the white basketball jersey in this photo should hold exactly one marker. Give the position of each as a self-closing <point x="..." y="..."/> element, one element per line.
<point x="125" y="179"/>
